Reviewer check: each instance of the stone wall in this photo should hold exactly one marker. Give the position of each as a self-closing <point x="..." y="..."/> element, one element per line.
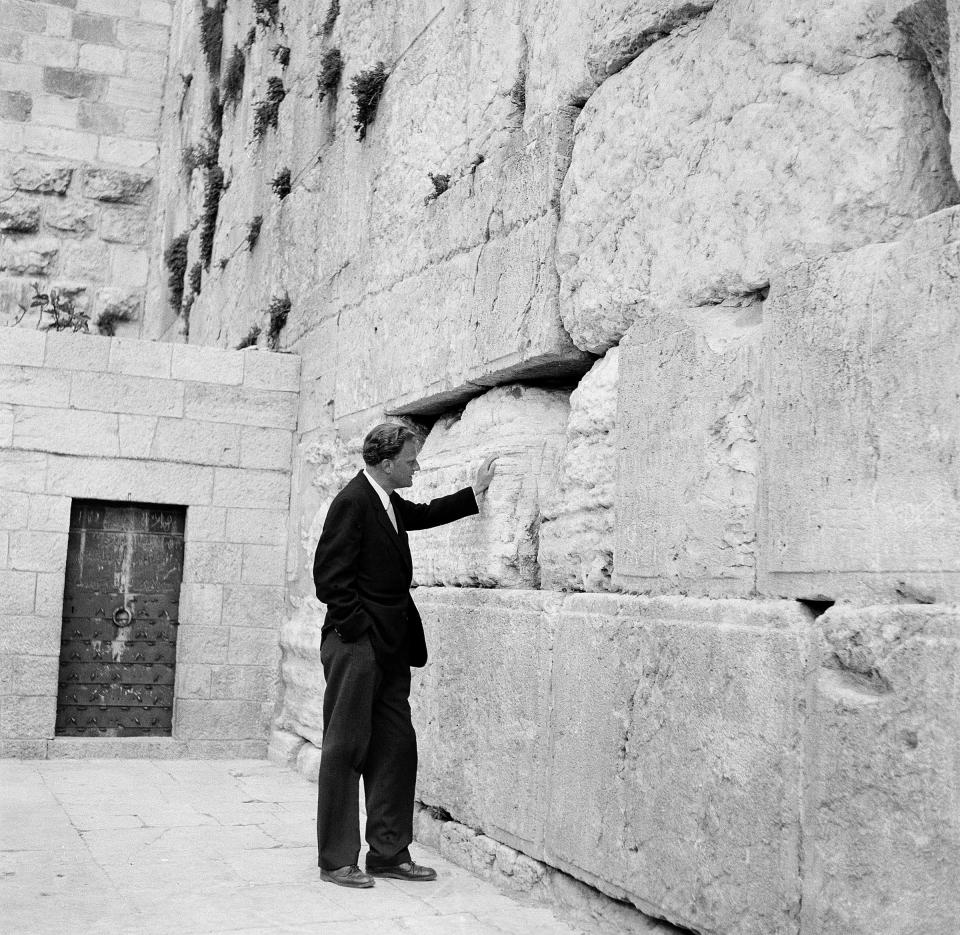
<point x="120" y="419"/>
<point x="689" y="266"/>
<point x="80" y="86"/>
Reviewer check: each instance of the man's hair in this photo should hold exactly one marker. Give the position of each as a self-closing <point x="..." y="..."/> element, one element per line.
<point x="385" y="441"/>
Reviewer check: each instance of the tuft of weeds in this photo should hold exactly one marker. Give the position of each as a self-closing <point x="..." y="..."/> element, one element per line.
<point x="232" y="84"/>
<point x="211" y="36"/>
<point x="201" y="155"/>
<point x="253" y="231"/>
<point x="212" y="191"/>
<point x="267" y="12"/>
<point x="252" y="336"/>
<point x="518" y="93"/>
<point x="194" y="277"/>
<point x="367" y="87"/>
<point x="333" y="11"/>
<point x="440" y="184"/>
<point x="251" y="37"/>
<point x="281" y="54"/>
<point x="108" y="321"/>
<point x="281" y="184"/>
<point x="278" y="311"/>
<point x="65" y="316"/>
<point x="175" y="259"/>
<point x="331" y="69"/>
<point x="267" y="112"/>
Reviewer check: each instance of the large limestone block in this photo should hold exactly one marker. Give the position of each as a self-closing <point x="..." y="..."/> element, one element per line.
<point x="524" y="426"/>
<point x="301" y="707"/>
<point x="676" y="761"/>
<point x="576" y="536"/>
<point x="714" y="160"/>
<point x="687" y="453"/>
<point x="882" y="826"/>
<point x="481" y="706"/>
<point x="861" y="430"/>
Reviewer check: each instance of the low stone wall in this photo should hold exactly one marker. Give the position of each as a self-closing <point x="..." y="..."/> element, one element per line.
<point x="117" y="419"/>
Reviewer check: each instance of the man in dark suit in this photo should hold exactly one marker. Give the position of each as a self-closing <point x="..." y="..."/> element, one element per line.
<point x="372" y="634"/>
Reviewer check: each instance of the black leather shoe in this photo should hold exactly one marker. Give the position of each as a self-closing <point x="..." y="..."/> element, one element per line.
<point x="351" y="875"/>
<point x="407" y="871"/>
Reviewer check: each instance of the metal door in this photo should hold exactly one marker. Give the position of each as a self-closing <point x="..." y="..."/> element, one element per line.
<point x="120" y="614"/>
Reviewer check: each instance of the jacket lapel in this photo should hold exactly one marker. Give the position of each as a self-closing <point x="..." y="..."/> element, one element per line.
<point x="396" y="536"/>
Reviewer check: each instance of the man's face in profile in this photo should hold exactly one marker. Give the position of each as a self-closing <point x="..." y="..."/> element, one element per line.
<point x="405" y="465"/>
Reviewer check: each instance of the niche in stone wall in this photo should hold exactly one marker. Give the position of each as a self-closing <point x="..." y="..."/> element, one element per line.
<point x="120" y="616"/>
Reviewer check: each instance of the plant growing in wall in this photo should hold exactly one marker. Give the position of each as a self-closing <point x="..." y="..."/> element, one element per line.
<point x="64" y="315"/>
<point x="281" y="53"/>
<point x="108" y="321"/>
<point x="253" y="231"/>
<point x="232" y="83"/>
<point x="212" y="191"/>
<point x="267" y="12"/>
<point x="211" y="36"/>
<point x="440" y="184"/>
<point x="175" y="259"/>
<point x="331" y="68"/>
<point x="518" y="93"/>
<point x="278" y="311"/>
<point x="201" y="155"/>
<point x="281" y="184"/>
<point x="252" y="336"/>
<point x="367" y="87"/>
<point x="267" y="112"/>
<point x="333" y="11"/>
<point x="194" y="277"/>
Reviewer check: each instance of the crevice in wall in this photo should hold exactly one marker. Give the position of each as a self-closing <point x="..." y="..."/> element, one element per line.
<point x="816" y="606"/>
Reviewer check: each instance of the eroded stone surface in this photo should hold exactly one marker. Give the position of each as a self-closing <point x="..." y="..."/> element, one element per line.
<point x="676" y="765"/>
<point x="576" y="536"/>
<point x="860" y="432"/>
<point x="687" y="453"/>
<point x="882" y="841"/>
<point x="524" y="426"/>
<point x="739" y="144"/>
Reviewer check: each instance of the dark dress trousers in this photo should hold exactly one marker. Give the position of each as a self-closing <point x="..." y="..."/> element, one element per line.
<point x="372" y="634"/>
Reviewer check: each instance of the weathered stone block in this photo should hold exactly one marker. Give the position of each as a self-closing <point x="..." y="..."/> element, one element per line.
<point x="67" y="431"/>
<point x="480" y="709"/>
<point x="882" y="830"/>
<point x="135" y="435"/>
<point x="32" y="385"/>
<point x="677" y="745"/>
<point x="252" y="605"/>
<point x="22" y="347"/>
<point x="525" y="426"/>
<point x="793" y="167"/>
<point x="38" y="551"/>
<point x="17" y="591"/>
<point x="861" y="430"/>
<point x="84" y="260"/>
<point x="688" y="414"/>
<point x="29" y="634"/>
<point x="60" y="142"/>
<point x="241" y="406"/>
<point x="206" y="364"/>
<point x="121" y="479"/>
<point x="269" y="449"/>
<point x="49" y="598"/>
<point x="49" y="514"/>
<point x="252" y="489"/>
<point x="138" y="35"/>
<point x="24" y="471"/>
<point x="18" y="215"/>
<point x="73" y="217"/>
<point x="88" y="27"/>
<point x="16" y="106"/>
<point x="575" y="549"/>
<point x="263" y="564"/>
<point x="101" y="59"/>
<point x="111" y="392"/>
<point x="140" y="358"/>
<point x="200" y="604"/>
<point x="250" y="646"/>
<point x="23" y="716"/>
<point x="206" y="523"/>
<point x="121" y="151"/>
<point x="51" y="50"/>
<point x="30" y="256"/>
<point x="100" y="118"/>
<point x="14" y="510"/>
<point x="129" y="266"/>
<point x="197" y="644"/>
<point x="217" y="720"/>
<point x="192" y="680"/>
<point x="264" y="527"/>
<point x="284" y="748"/>
<point x="196" y="442"/>
<point x="301" y="710"/>
<point x="113" y="308"/>
<point x="68" y="351"/>
<point x="211" y="562"/>
<point x="68" y="83"/>
<point x="263" y="370"/>
<point x="114" y="185"/>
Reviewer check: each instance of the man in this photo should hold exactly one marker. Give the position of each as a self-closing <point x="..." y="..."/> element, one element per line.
<point x="372" y="634"/>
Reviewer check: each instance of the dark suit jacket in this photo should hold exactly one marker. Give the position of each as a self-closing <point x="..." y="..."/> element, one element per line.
<point x="363" y="569"/>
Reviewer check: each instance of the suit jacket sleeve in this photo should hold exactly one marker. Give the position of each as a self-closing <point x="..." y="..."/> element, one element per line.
<point x="438" y="511"/>
<point x="335" y="569"/>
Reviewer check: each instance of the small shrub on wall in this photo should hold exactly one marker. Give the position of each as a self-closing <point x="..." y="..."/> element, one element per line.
<point x="333" y="11"/>
<point x="367" y="87"/>
<point x="253" y="231"/>
<point x="175" y="259"/>
<point x="278" y="312"/>
<point x="211" y="207"/>
<point x="267" y="112"/>
<point x="211" y="36"/>
<point x="251" y="338"/>
<point x="267" y="12"/>
<point x="331" y="68"/>
<point x="233" y="76"/>
<point x="281" y="184"/>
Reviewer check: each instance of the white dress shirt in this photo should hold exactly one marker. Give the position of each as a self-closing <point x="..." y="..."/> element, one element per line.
<point x="384" y="499"/>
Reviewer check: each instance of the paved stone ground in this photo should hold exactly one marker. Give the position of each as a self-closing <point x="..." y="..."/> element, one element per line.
<point x="196" y="846"/>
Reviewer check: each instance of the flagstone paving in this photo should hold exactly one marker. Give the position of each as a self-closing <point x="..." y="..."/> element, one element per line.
<point x="197" y="846"/>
